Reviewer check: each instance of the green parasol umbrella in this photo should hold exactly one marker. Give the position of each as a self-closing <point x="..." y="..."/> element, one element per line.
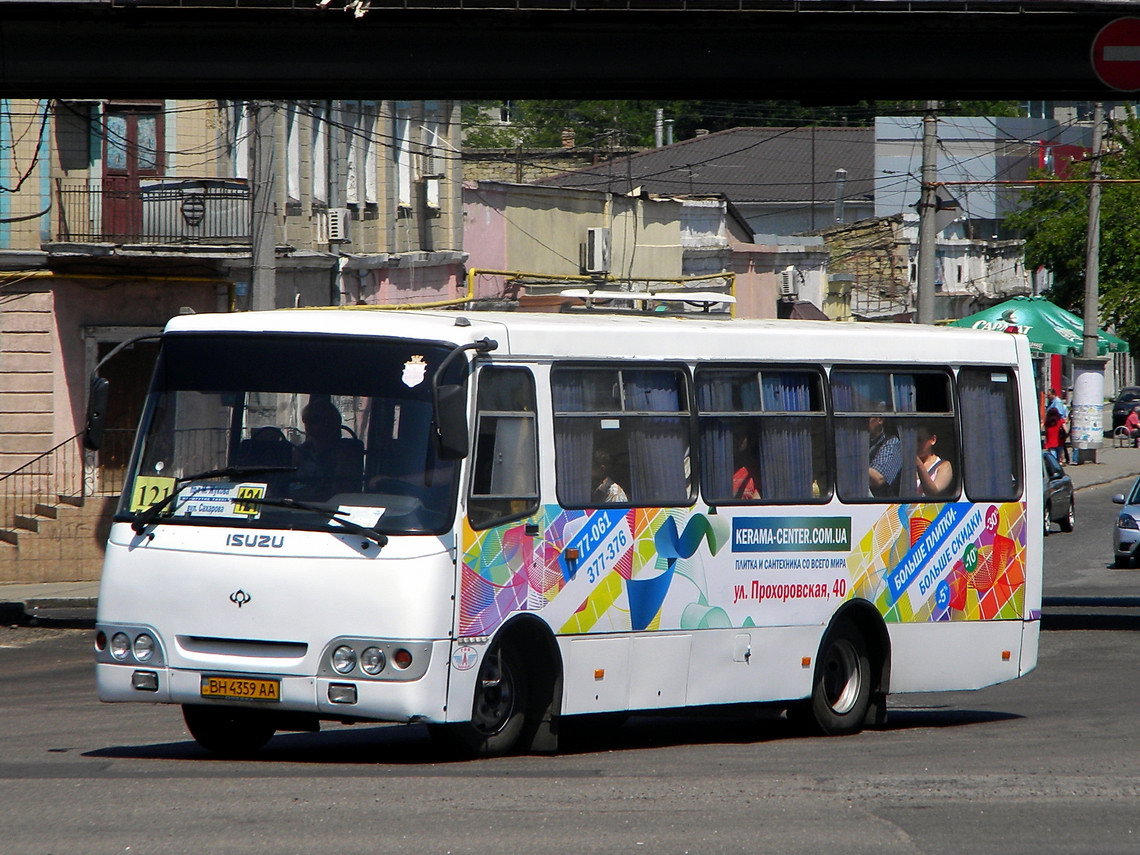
<point x="1050" y="328"/>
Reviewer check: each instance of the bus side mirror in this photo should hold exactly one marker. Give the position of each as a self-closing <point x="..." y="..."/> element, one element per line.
<point x="96" y="413"/>
<point x="451" y="421"/>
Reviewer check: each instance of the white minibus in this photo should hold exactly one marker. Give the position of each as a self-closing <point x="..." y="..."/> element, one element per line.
<point x="491" y="522"/>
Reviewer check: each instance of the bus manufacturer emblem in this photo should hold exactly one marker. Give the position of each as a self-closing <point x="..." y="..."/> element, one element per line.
<point x="464" y="658"/>
<point x="239" y="598"/>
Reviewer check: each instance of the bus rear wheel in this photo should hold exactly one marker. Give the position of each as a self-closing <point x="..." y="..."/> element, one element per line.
<point x="498" y="710"/>
<point x="841" y="691"/>
<point x="229" y="731"/>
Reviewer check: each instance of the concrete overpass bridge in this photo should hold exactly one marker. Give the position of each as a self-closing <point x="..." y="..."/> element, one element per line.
<point x="827" y="51"/>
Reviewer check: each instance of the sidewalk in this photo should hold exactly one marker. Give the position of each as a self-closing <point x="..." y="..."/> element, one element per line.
<point x="72" y="604"/>
<point x="1112" y="464"/>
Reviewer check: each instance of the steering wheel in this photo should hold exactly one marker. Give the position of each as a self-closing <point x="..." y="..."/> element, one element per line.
<point x="268" y="433"/>
<point x="349" y="431"/>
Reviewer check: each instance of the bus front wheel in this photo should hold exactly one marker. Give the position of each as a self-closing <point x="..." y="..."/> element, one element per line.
<point x="228" y="731"/>
<point x="498" y="710"/>
<point x="841" y="691"/>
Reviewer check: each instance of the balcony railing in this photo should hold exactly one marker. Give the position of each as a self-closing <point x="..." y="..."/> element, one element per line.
<point x="154" y="210"/>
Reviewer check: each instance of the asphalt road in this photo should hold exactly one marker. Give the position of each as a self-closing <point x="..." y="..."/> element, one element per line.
<point x="1050" y="763"/>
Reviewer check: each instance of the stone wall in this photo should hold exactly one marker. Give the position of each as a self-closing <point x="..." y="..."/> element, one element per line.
<point x="529" y="165"/>
<point x="872" y="259"/>
<point x="66" y="547"/>
<point x="27" y="352"/>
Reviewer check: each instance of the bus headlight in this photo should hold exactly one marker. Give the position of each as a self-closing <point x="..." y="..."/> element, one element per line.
<point x="120" y="646"/>
<point x="143" y="647"/>
<point x="372" y="660"/>
<point x="343" y="659"/>
<point x="369" y="659"/>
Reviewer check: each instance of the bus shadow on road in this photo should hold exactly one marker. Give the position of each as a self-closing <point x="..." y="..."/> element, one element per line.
<point x="912" y="718"/>
<point x="411" y="746"/>
<point x="1101" y="622"/>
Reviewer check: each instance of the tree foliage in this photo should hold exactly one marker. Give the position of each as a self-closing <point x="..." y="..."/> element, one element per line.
<point x="1054" y="224"/>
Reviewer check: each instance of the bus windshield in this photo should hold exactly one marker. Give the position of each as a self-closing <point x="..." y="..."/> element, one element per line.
<point x="335" y="422"/>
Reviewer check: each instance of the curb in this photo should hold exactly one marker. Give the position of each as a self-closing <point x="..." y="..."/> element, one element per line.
<point x="1106" y="480"/>
<point x="74" y="613"/>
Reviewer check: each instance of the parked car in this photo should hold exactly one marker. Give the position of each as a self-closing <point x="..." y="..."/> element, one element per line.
<point x="1057" y="487"/>
<point x="1122" y="404"/>
<point x="1126" y="532"/>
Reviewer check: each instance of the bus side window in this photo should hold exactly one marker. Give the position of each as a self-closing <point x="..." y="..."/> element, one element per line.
<point x="991" y="435"/>
<point x="504" y="479"/>
<point x="896" y="436"/>
<point x="929" y="433"/>
<point x="763" y="435"/>
<point x="621" y="436"/>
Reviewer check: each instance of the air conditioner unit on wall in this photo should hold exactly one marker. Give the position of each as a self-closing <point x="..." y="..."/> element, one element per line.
<point x="597" y="251"/>
<point x="789" y="282"/>
<point x="339" y="219"/>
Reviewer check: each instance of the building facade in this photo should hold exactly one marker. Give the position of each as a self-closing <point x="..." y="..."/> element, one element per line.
<point x="117" y="215"/>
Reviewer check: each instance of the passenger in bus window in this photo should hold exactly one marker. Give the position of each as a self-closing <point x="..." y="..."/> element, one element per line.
<point x="327" y="463"/>
<point x="886" y="459"/>
<point x="746" y="479"/>
<point x="607" y="489"/>
<point x="935" y="474"/>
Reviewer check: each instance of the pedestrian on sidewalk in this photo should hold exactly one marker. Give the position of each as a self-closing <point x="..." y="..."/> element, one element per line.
<point x="1053" y="433"/>
<point x="1057" y="403"/>
<point x="1132" y="425"/>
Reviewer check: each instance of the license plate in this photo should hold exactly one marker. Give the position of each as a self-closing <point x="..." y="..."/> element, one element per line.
<point x="241" y="688"/>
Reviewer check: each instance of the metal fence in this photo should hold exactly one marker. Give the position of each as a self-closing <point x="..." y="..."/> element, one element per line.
<point x="112" y="458"/>
<point x="153" y="211"/>
<point x="55" y="475"/>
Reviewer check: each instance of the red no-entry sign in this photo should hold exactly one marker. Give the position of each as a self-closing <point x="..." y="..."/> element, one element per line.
<point x="1116" y="54"/>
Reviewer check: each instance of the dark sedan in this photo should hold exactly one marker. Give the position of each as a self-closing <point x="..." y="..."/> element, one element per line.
<point x="1122" y="404"/>
<point x="1060" y="507"/>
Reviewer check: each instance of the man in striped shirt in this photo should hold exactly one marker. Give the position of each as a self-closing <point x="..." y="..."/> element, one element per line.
<point x="886" y="460"/>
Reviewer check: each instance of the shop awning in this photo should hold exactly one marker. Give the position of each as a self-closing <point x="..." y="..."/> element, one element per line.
<point x="1050" y="328"/>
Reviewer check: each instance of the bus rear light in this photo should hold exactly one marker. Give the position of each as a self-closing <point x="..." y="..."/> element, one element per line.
<point x="100" y="641"/>
<point x="342" y="693"/>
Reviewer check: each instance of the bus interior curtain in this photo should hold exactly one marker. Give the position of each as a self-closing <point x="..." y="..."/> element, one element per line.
<point x="986" y="428"/>
<point x="718" y="447"/>
<point x="907" y="432"/>
<point x="785" y="441"/>
<point x="852" y="436"/>
<point x="658" y="444"/>
<point x="573" y="441"/>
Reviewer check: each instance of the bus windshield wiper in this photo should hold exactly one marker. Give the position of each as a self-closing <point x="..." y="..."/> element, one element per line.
<point x="328" y="512"/>
<point x="150" y="514"/>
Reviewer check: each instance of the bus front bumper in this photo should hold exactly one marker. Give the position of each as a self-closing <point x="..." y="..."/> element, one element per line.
<point x="333" y="698"/>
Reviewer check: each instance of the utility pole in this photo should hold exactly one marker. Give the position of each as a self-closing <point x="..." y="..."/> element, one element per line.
<point x="1086" y="415"/>
<point x="337" y="184"/>
<point x="262" y="213"/>
<point x="1092" y="243"/>
<point x="927" y="209"/>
